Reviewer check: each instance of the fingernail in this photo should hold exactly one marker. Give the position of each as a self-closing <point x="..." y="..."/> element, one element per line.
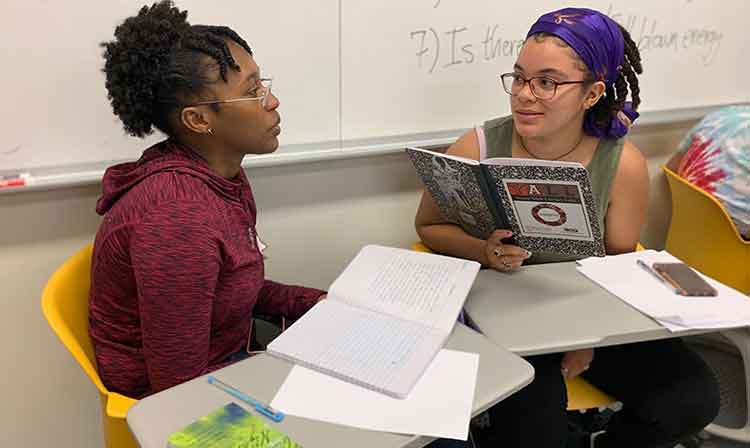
<point x="528" y="254"/>
<point x="508" y="233"/>
<point x="496" y="252"/>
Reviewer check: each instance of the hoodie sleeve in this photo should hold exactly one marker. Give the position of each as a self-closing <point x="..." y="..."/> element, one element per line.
<point x="292" y="302"/>
<point x="176" y="261"/>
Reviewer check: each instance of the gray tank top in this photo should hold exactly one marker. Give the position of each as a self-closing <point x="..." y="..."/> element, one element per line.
<point x="498" y="135"/>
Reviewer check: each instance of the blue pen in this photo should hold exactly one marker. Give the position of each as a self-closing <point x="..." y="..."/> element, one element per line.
<point x="651" y="271"/>
<point x="268" y="411"/>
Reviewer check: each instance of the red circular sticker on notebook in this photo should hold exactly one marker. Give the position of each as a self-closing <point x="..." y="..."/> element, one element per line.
<point x="549" y="214"/>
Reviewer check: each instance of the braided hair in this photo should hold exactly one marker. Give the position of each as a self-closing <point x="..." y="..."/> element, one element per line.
<point x="615" y="96"/>
<point x="613" y="101"/>
<point x="158" y="61"/>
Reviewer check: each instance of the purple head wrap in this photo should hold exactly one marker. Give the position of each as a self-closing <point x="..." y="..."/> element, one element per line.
<point x="598" y="41"/>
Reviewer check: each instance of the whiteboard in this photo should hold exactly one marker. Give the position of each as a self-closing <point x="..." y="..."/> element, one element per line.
<point x="55" y="110"/>
<point x="353" y="77"/>
<point x="426" y="65"/>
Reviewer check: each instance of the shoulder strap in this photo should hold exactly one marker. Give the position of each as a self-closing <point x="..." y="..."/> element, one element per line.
<point x="482" y="142"/>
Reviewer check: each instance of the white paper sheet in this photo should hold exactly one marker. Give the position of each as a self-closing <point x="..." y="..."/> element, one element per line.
<point x="621" y="276"/>
<point x="439" y="405"/>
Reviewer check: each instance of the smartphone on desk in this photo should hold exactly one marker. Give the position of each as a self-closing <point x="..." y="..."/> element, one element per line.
<point x="684" y="279"/>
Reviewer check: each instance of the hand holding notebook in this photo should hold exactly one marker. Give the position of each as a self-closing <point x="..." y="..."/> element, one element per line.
<point x="549" y="205"/>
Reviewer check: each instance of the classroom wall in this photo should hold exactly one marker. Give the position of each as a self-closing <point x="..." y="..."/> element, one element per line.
<point x="314" y="218"/>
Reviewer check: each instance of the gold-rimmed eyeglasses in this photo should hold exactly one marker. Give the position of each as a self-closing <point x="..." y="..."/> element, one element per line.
<point x="260" y="93"/>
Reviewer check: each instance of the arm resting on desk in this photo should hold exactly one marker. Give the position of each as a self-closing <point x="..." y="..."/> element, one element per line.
<point x="276" y="299"/>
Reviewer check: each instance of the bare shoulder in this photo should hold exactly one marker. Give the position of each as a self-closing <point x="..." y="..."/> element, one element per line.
<point x="628" y="201"/>
<point x="632" y="164"/>
<point x="466" y="146"/>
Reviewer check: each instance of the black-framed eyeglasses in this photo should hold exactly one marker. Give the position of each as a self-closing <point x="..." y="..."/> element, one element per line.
<point x="541" y="87"/>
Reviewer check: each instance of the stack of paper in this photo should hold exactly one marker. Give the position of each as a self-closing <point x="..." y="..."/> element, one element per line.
<point x="621" y="276"/>
<point x="439" y="405"/>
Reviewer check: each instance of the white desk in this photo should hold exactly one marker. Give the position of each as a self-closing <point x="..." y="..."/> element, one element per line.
<point x="152" y="419"/>
<point x="552" y="308"/>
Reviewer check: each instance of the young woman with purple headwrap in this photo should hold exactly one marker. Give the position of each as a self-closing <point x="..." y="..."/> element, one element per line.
<point x="568" y="91"/>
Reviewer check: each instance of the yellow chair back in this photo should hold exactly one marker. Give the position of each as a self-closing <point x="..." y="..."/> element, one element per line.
<point x="65" y="306"/>
<point x="702" y="234"/>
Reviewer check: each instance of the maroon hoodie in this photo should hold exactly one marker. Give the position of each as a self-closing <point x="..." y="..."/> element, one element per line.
<point x="177" y="272"/>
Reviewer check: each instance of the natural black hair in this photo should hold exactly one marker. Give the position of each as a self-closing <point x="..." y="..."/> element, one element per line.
<point x="613" y="100"/>
<point x="158" y="61"/>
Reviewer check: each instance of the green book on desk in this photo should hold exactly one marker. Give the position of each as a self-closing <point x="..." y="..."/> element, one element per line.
<point x="230" y="426"/>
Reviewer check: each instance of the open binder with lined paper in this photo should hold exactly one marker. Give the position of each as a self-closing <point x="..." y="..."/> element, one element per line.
<point x="386" y="317"/>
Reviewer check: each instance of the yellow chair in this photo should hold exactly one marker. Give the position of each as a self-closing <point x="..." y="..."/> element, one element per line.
<point x="582" y="395"/>
<point x="702" y="234"/>
<point x="65" y="306"/>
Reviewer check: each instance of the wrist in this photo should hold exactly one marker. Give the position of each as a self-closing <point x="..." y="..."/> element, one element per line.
<point x="482" y="252"/>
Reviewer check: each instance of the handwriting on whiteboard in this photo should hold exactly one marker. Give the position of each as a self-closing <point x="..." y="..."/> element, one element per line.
<point x="439" y="49"/>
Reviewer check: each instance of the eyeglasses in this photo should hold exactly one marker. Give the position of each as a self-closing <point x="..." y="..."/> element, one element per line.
<point x="542" y="88"/>
<point x="259" y="93"/>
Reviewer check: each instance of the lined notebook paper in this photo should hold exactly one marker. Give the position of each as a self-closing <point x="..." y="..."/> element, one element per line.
<point x="378" y="328"/>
